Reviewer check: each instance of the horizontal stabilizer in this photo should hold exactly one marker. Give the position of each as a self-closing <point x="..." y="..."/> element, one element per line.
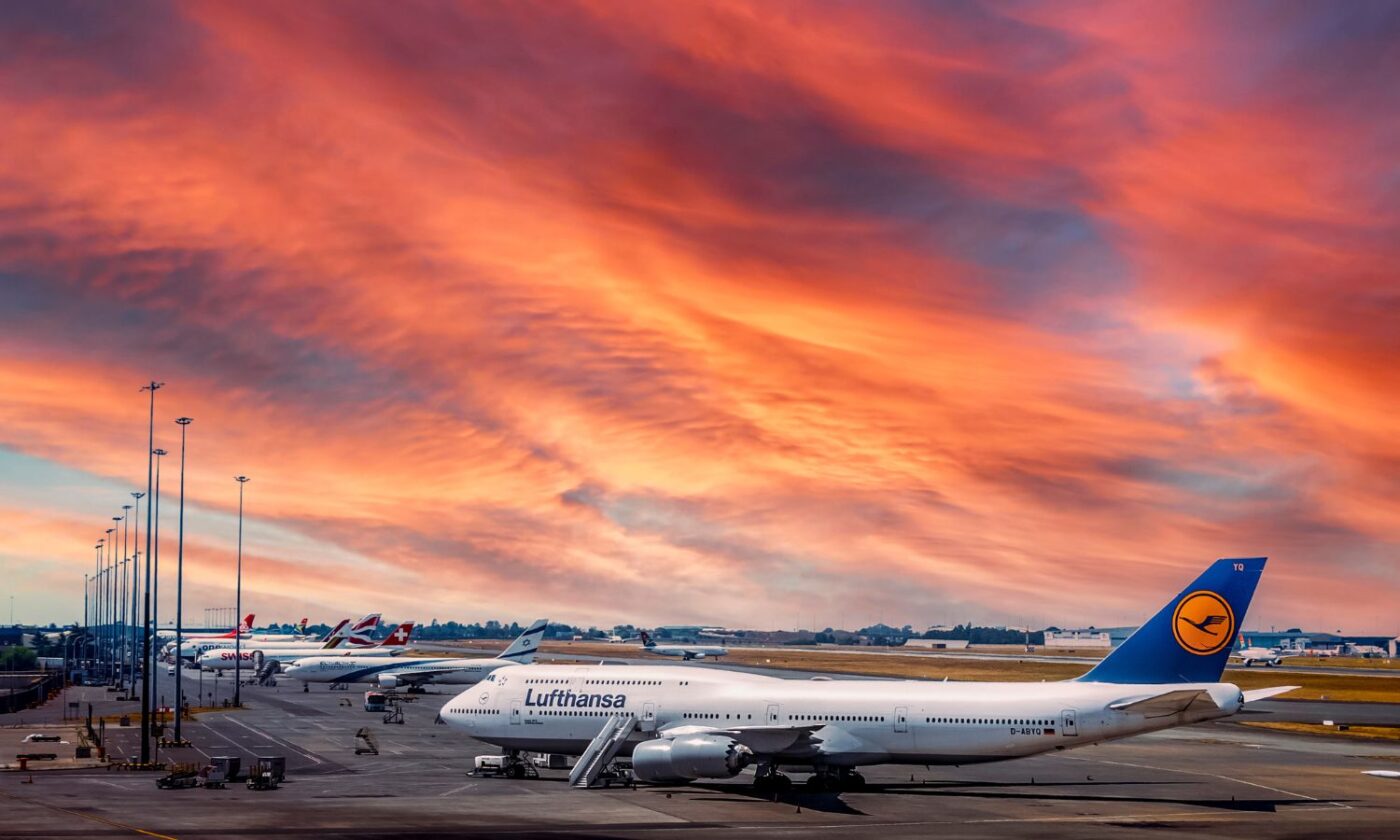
<point x="1266" y="693"/>
<point x="1166" y="703"/>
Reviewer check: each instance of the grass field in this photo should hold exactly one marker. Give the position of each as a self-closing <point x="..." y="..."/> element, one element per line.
<point x="1344" y="687"/>
<point x="1384" y="733"/>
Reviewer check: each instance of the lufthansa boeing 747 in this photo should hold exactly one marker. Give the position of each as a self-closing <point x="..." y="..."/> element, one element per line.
<point x="680" y="724"/>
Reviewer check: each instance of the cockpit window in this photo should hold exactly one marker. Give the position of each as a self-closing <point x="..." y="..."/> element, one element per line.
<point x="490" y="678"/>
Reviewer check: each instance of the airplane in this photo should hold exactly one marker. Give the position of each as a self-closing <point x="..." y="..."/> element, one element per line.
<point x="415" y="672"/>
<point x="1382" y="774"/>
<point x="224" y="659"/>
<point x="358" y="634"/>
<point x="683" y="724"/>
<point x="1265" y="656"/>
<point x="685" y="652"/>
<point x="245" y="627"/>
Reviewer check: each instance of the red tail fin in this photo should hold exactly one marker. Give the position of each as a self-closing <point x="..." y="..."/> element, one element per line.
<point x="400" y="636"/>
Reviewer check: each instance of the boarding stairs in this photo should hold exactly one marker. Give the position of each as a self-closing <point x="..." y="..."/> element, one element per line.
<point x="267" y="674"/>
<point x="602" y="750"/>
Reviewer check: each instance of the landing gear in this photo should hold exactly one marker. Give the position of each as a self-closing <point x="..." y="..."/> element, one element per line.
<point x="767" y="778"/>
<point x="826" y="779"/>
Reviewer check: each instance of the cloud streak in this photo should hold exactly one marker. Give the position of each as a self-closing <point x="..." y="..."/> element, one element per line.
<point x="716" y="312"/>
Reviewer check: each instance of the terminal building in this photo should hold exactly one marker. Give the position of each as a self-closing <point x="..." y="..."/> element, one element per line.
<point x="1101" y="638"/>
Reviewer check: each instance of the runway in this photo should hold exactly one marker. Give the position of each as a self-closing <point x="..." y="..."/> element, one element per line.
<point x="1218" y="779"/>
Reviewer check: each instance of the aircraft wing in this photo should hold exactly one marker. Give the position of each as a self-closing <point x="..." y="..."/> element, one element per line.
<point x="760" y="738"/>
<point x="1265" y="693"/>
<point x="1166" y="703"/>
<point x="417" y="677"/>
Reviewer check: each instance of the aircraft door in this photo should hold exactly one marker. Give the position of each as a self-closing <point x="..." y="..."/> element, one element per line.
<point x="1067" y="723"/>
<point x="772" y="713"/>
<point x="515" y="711"/>
<point x="901" y="719"/>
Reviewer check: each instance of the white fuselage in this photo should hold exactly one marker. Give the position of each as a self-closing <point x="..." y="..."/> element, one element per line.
<point x="1263" y="656"/>
<point x="221" y="659"/>
<point x="367" y="669"/>
<point x="686" y="651"/>
<point x="560" y="708"/>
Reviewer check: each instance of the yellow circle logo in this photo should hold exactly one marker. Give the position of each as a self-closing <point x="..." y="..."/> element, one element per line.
<point x="1203" y="623"/>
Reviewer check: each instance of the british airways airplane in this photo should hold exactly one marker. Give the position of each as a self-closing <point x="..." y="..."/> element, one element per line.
<point x="682" y="724"/>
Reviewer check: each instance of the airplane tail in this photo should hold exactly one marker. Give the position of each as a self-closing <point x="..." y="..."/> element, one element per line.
<point x="301" y="628"/>
<point x="646" y="639"/>
<point x="1189" y="639"/>
<point x="524" y="647"/>
<point x="356" y="634"/>
<point x="246" y="626"/>
<point x="336" y="631"/>
<point x="399" y="637"/>
<point x="362" y="634"/>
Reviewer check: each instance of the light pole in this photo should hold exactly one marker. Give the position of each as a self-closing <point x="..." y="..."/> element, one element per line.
<point x="180" y="583"/>
<point x="93" y="652"/>
<point x="155" y="588"/>
<point x="87" y="622"/>
<point x="146" y="618"/>
<point x="125" y="625"/>
<point x="238" y="603"/>
<point x="109" y="577"/>
<point x="116" y="628"/>
<point x="135" y="585"/>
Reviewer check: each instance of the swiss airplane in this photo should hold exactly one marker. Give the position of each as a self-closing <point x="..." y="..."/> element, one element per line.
<point x="415" y="672"/>
<point x="682" y="724"/>
<point x="685" y="652"/>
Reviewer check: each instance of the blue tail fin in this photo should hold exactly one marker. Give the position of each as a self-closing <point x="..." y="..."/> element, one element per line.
<point x="1189" y="640"/>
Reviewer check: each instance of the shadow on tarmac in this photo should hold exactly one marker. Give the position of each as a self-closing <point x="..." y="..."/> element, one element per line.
<point x="1007" y="791"/>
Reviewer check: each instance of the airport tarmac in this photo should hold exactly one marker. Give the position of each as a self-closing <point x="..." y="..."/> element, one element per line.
<point x="1212" y="780"/>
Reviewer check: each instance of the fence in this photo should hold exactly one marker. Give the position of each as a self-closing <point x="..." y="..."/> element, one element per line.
<point x="29" y="690"/>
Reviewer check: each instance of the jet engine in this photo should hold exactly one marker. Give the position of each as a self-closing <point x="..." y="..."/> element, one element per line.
<point x="689" y="757"/>
<point x="388" y="681"/>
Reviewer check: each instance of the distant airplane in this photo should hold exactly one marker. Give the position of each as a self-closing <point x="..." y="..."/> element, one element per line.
<point x="415" y="672"/>
<point x="685" y="652"/>
<point x="226" y="658"/>
<point x="1382" y="774"/>
<point x="1268" y="657"/>
<point x="245" y="627"/>
<point x="682" y="724"/>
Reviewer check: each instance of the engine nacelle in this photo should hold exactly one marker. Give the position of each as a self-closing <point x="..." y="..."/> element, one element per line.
<point x="689" y="757"/>
<point x="388" y="681"/>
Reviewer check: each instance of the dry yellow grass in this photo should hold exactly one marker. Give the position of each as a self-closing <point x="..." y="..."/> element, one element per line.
<point x="1342" y="687"/>
<point x="1386" y="733"/>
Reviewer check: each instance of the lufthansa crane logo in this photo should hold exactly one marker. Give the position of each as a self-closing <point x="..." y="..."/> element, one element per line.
<point x="1203" y="623"/>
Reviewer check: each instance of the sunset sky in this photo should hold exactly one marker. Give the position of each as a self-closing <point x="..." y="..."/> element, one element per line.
<point x="761" y="314"/>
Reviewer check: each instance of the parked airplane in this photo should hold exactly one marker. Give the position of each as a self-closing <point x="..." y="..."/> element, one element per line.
<point x="685" y="652"/>
<point x="415" y="672"/>
<point x="226" y="658"/>
<point x="357" y="634"/>
<point x="245" y="627"/>
<point x="682" y="724"/>
<point x="1250" y="655"/>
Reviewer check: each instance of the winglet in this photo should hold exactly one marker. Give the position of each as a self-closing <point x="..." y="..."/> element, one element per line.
<point x="1265" y="693"/>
